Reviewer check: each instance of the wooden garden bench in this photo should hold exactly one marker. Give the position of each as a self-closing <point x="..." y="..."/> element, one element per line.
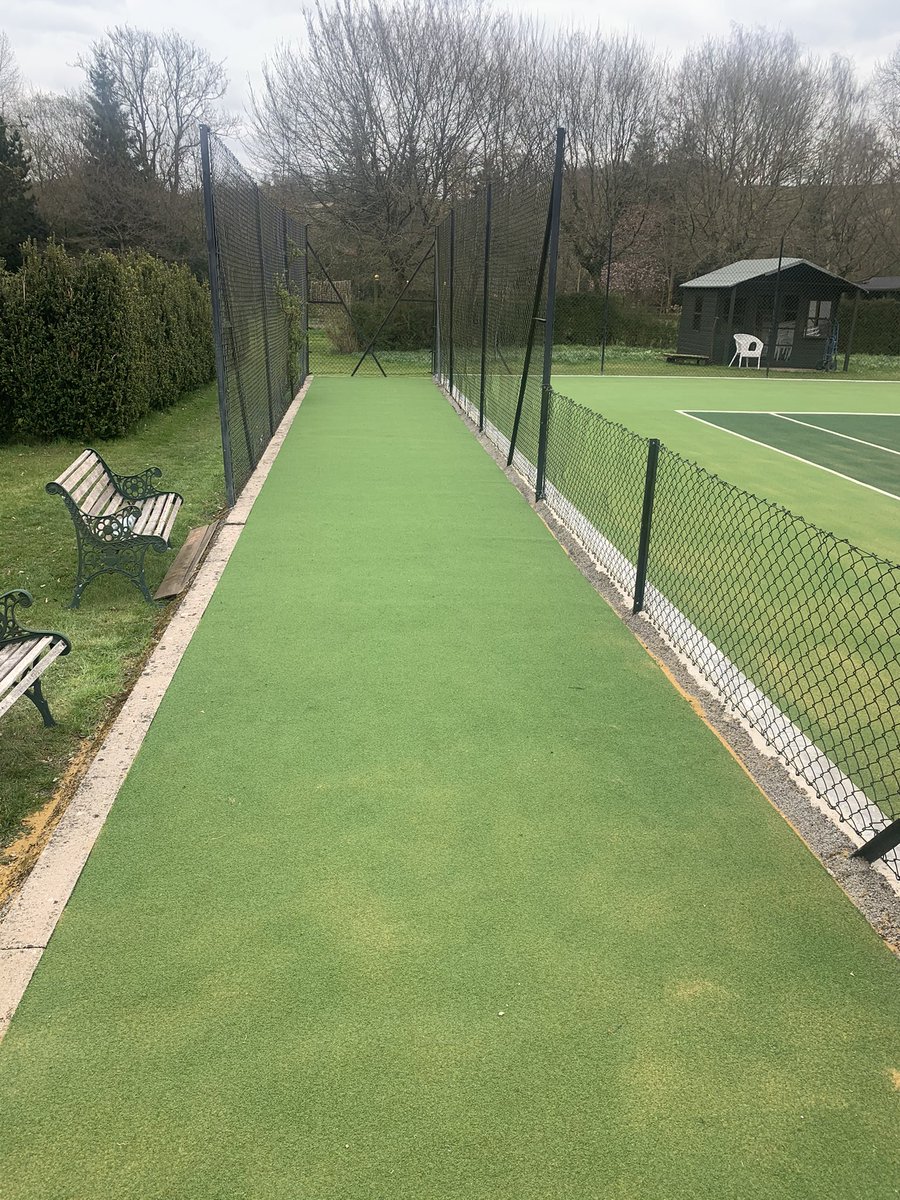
<point x="25" y="654"/>
<point x="699" y="360"/>
<point x="117" y="519"/>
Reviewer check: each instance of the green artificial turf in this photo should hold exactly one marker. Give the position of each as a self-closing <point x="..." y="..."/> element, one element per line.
<point x="427" y="884"/>
<point x="654" y="408"/>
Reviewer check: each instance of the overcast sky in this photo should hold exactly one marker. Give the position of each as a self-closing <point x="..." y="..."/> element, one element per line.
<point x="48" y="35"/>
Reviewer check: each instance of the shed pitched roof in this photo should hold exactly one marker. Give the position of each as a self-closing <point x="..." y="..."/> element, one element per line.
<point x="756" y="268"/>
<point x="882" y="283"/>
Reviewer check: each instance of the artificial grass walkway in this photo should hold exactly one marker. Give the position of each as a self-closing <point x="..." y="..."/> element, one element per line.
<point x="412" y="775"/>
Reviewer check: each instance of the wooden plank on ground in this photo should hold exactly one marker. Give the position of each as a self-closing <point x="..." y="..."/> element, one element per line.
<point x="186" y="561"/>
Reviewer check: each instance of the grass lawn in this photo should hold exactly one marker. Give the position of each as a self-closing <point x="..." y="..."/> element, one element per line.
<point x="113" y="628"/>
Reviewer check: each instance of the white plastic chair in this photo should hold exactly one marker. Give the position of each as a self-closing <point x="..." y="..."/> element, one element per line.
<point x="748" y="346"/>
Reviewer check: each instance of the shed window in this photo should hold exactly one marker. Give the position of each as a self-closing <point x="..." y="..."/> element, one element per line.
<point x="698" y="311"/>
<point x="818" y="318"/>
<point x="740" y="312"/>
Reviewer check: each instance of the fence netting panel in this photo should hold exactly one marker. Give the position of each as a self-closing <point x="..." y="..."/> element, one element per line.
<point x="254" y="241"/>
<point x="375" y="317"/>
<point x="794" y="628"/>
<point x="518" y="219"/>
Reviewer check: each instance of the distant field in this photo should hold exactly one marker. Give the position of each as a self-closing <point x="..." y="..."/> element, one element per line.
<point x="783" y="461"/>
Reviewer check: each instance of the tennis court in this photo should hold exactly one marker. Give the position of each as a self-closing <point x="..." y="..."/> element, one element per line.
<point x="826" y="449"/>
<point x="864" y="447"/>
<point x="426" y="883"/>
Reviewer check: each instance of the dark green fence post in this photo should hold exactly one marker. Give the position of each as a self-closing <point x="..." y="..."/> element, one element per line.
<point x="304" y="303"/>
<point x="485" y="301"/>
<point x="436" y="336"/>
<point x="605" y="335"/>
<point x="549" y="313"/>
<point x="450" y="299"/>
<point x="643" y="556"/>
<point x="776" y="304"/>
<point x="213" y="256"/>
<point x="265" y="309"/>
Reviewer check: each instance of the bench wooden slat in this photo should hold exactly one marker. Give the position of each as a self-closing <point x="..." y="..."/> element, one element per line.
<point x="79" y="489"/>
<point x="72" y="469"/>
<point x="92" y="501"/>
<point x="170" y="520"/>
<point x="23" y="657"/>
<point x="146" y="522"/>
<point x="35" y="673"/>
<point x="13" y="656"/>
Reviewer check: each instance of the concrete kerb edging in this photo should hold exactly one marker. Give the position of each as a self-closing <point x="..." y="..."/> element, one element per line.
<point x="31" y="918"/>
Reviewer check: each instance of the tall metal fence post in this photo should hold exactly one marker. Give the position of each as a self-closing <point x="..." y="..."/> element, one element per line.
<point x="212" y="253"/>
<point x="291" y="364"/>
<point x="849" y="344"/>
<point x="773" y="335"/>
<point x="436" y="333"/>
<point x="549" y="312"/>
<point x="643" y="556"/>
<point x="265" y="308"/>
<point x="485" y="301"/>
<point x="450" y="298"/>
<point x="605" y="334"/>
<point x="304" y="302"/>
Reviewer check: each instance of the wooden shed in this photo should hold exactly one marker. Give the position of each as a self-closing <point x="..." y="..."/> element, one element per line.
<point x="743" y="298"/>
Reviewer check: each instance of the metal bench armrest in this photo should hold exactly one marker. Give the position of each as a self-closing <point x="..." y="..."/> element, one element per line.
<point x="10" y="628"/>
<point x="137" y="487"/>
<point x="113" y="527"/>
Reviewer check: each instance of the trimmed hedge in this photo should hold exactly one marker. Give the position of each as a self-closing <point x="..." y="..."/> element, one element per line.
<point x="89" y="345"/>
<point x="877" y="326"/>
<point x="578" y="321"/>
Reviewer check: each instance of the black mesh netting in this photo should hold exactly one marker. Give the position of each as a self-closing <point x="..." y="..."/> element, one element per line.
<point x="518" y="218"/>
<point x="796" y="629"/>
<point x="258" y="253"/>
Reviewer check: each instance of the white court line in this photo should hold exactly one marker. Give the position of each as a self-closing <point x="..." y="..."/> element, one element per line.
<point x="836" y="432"/>
<point x="796" y="457"/>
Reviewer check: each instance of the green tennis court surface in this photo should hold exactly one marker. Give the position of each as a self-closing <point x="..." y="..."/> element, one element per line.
<point x="426" y="884"/>
<point x="791" y="476"/>
<point x="864" y="447"/>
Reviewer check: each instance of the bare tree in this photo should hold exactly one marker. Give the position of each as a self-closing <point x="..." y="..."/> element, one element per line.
<point x="742" y="141"/>
<point x="886" y="86"/>
<point x="10" y="77"/>
<point x="612" y="91"/>
<point x="53" y="126"/>
<point x="387" y="112"/>
<point x="166" y="85"/>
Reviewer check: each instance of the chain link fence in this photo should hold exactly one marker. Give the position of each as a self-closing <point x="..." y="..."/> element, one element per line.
<point x="257" y="255"/>
<point x="780" y="314"/>
<point x="795" y="629"/>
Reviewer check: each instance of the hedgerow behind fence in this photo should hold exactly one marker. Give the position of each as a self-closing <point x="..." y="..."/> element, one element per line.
<point x="90" y="344"/>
